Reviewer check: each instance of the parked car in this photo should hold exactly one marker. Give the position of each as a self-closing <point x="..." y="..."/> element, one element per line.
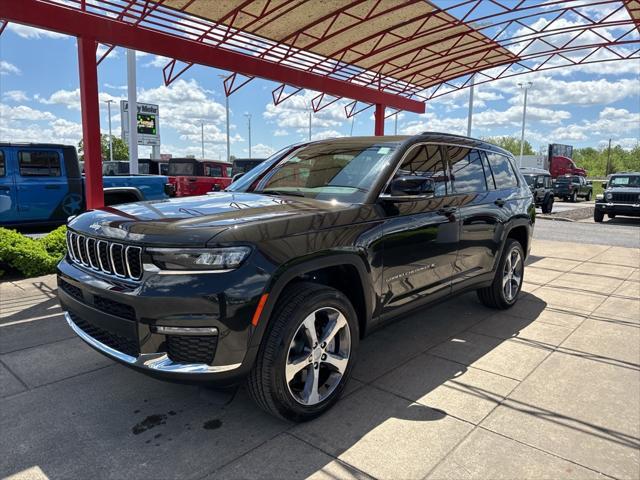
<point x="243" y="165"/>
<point x="43" y="184"/>
<point x="275" y="281"/>
<point x="572" y="187"/>
<point x="191" y="176"/>
<point x="145" y="166"/>
<point x="621" y="196"/>
<point x="541" y="186"/>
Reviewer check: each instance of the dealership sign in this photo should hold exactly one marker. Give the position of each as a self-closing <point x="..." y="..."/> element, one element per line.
<point x="148" y="123"/>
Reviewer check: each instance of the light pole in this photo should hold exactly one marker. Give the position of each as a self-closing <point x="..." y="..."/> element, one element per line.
<point x="395" y="123"/>
<point x="353" y="120"/>
<point x="470" y="115"/>
<point x="309" y="124"/>
<point x="226" y="106"/>
<point x="202" y="138"/>
<point x="525" y="86"/>
<point x="109" y="102"/>
<point x="248" y="115"/>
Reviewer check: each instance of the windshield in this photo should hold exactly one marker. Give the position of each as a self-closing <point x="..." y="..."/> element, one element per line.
<point x="563" y="180"/>
<point x="341" y="170"/>
<point x="625" y="181"/>
<point x="531" y="179"/>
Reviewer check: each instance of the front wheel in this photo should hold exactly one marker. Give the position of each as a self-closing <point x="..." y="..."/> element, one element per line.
<point x="598" y="216"/>
<point x="588" y="197"/>
<point x="547" y="206"/>
<point x="507" y="282"/>
<point x="574" y="197"/>
<point x="308" y="353"/>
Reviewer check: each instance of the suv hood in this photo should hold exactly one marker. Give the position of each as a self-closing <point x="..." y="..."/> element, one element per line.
<point x="196" y="220"/>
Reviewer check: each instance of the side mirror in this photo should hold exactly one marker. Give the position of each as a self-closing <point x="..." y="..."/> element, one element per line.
<point x="237" y="176"/>
<point x="216" y="187"/>
<point x="589" y="182"/>
<point x="412" y="185"/>
<point x="604" y="185"/>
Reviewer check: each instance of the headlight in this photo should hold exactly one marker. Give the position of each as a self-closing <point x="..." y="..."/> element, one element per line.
<point x="599" y="196"/>
<point x="199" y="258"/>
<point x="608" y="196"/>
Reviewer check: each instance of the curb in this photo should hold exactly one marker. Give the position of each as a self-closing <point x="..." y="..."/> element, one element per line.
<point x="556" y="219"/>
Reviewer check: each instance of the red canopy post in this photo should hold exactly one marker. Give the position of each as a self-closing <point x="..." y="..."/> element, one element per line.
<point x="88" y="70"/>
<point x="379" y="119"/>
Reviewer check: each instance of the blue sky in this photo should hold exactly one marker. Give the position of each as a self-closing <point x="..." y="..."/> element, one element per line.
<point x="583" y="106"/>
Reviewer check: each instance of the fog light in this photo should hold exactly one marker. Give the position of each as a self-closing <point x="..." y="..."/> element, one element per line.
<point x="187" y="330"/>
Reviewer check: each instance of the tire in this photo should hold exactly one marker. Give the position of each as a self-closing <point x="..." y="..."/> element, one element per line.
<point x="611" y="215"/>
<point x="588" y="197"/>
<point x="494" y="296"/>
<point x="574" y="197"/>
<point x="267" y="382"/>
<point x="598" y="216"/>
<point x="547" y="205"/>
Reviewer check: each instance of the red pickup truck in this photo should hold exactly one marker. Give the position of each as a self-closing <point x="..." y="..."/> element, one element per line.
<point x="191" y="176"/>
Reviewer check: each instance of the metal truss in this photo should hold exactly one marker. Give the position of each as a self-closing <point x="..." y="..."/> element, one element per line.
<point x="512" y="37"/>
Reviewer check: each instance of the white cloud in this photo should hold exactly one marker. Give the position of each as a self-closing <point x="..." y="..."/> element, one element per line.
<point x="158" y="61"/>
<point x="33" y="33"/>
<point x="280" y="132"/>
<point x="15" y="96"/>
<point x="71" y="99"/>
<point x="22" y="112"/>
<point x="102" y="49"/>
<point x="7" y="68"/>
<point x="294" y="113"/>
<point x="611" y="122"/>
<point x="323" y="134"/>
<point x="626" y="143"/>
<point x="262" y="151"/>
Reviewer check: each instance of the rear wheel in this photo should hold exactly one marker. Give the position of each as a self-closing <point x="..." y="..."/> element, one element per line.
<point x="574" y="197"/>
<point x="598" y="216"/>
<point x="547" y="205"/>
<point x="503" y="292"/>
<point x="588" y="197"/>
<point x="308" y="353"/>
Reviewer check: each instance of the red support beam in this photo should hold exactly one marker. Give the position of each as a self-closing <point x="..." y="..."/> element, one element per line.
<point x="111" y="31"/>
<point x="88" y="70"/>
<point x="379" y="118"/>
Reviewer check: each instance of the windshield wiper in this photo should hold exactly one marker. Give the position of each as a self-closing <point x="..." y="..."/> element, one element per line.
<point x="359" y="189"/>
<point x="280" y="192"/>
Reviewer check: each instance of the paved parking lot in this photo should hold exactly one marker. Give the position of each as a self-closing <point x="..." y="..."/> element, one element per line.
<point x="549" y="389"/>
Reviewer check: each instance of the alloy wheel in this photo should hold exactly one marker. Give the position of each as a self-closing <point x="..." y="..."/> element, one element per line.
<point x="512" y="275"/>
<point x="318" y="356"/>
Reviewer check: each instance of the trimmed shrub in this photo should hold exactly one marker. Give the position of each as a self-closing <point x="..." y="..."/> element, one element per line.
<point x="31" y="257"/>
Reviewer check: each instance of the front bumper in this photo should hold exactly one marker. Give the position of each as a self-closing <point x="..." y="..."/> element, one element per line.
<point x="628" y="209"/>
<point x="128" y="321"/>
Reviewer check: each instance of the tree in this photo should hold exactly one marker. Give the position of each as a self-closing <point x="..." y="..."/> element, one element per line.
<point x="120" y="148"/>
<point x="511" y="144"/>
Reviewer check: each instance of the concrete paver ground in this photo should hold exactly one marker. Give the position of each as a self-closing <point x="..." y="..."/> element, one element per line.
<point x="547" y="389"/>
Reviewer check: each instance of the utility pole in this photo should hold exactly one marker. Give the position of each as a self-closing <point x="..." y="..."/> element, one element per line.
<point x="202" y="138"/>
<point x="133" y="111"/>
<point x="470" y="115"/>
<point x="109" y="102"/>
<point x="226" y="106"/>
<point x="309" y="124"/>
<point x="353" y="120"/>
<point x="248" y="115"/>
<point x="395" y="125"/>
<point x="525" y="86"/>
<point x="608" y="171"/>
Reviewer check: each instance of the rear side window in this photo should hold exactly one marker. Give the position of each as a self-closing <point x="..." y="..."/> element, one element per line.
<point x="212" y="171"/>
<point x="3" y="170"/>
<point x="467" y="173"/>
<point x="39" y="164"/>
<point x="426" y="161"/>
<point x="503" y="173"/>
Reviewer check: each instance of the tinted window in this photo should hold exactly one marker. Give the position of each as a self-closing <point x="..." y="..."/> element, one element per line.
<point x="39" y="164"/>
<point x="467" y="173"/>
<point x="426" y="161"/>
<point x="212" y="171"/>
<point x="181" y="168"/>
<point x="503" y="173"/>
<point x="491" y="184"/>
<point x="3" y="172"/>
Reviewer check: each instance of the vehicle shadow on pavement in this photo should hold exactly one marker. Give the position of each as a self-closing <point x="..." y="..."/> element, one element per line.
<point x="420" y="386"/>
<point x="622" y="221"/>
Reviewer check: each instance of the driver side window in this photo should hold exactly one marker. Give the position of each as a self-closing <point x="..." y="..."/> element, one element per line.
<point x="426" y="161"/>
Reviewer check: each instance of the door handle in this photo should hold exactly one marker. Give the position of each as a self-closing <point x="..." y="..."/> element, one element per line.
<point x="500" y="202"/>
<point x="446" y="211"/>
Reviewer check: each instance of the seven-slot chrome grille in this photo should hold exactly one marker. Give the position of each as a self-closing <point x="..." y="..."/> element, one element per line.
<point x="123" y="261"/>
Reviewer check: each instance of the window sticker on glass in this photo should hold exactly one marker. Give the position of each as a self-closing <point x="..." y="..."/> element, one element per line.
<point x="383" y="150"/>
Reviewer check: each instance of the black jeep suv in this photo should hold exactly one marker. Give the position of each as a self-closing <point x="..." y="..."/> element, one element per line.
<point x="621" y="196"/>
<point x="541" y="185"/>
<point x="275" y="280"/>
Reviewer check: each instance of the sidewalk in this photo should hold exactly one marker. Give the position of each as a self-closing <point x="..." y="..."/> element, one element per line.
<point x="548" y="389"/>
